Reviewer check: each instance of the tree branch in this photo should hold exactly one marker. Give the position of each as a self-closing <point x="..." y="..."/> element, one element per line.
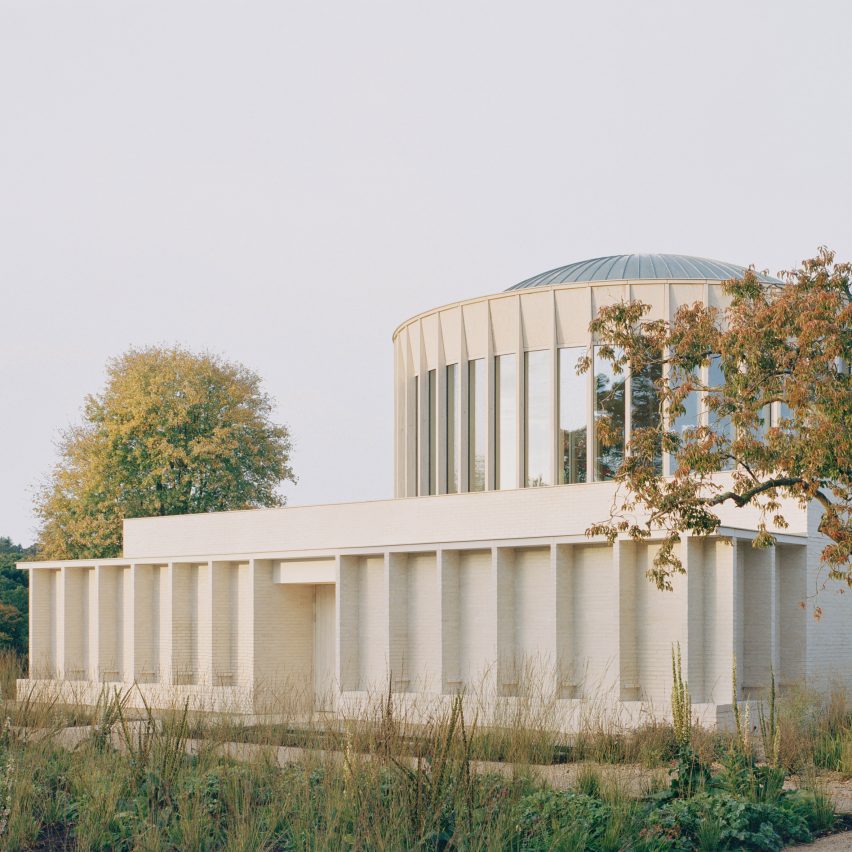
<point x="746" y="497"/>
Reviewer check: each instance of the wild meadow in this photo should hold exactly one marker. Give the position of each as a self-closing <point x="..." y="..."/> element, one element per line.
<point x="110" y="777"/>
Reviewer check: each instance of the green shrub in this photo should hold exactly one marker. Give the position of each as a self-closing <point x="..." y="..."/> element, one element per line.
<point x="742" y="776"/>
<point x="814" y="806"/>
<point x="690" y="774"/>
<point x="736" y="824"/>
<point x="550" y="819"/>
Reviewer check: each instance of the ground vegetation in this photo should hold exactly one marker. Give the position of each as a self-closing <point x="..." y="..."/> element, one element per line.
<point x="123" y="780"/>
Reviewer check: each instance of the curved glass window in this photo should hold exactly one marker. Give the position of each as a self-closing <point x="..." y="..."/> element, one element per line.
<point x="782" y="415"/>
<point x="538" y="449"/>
<point x="433" y="433"/>
<point x="477" y="414"/>
<point x="683" y="423"/>
<point x="506" y="424"/>
<point x="453" y="428"/>
<point x="720" y="424"/>
<point x="573" y="409"/>
<point x="765" y="422"/>
<point x="417" y="435"/>
<point x="609" y="406"/>
<point x="645" y="405"/>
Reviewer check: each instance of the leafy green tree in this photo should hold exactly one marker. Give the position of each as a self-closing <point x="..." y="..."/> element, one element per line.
<point x="14" y="596"/>
<point x="788" y="345"/>
<point x="171" y="433"/>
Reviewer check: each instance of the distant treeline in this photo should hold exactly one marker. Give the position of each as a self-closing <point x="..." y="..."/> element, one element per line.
<point x="14" y="596"/>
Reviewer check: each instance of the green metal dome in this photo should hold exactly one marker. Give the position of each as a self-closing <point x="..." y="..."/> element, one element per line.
<point x="637" y="267"/>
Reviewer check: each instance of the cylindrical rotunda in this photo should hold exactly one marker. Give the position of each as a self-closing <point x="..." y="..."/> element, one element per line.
<point x="487" y="395"/>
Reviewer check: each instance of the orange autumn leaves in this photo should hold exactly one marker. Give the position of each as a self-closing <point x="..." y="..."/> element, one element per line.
<point x="783" y="353"/>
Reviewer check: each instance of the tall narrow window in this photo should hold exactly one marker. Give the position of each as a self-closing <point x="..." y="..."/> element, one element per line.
<point x="537" y="418"/>
<point x="477" y="424"/>
<point x="573" y="410"/>
<point x="684" y="423"/>
<point x="417" y="490"/>
<point x="609" y="409"/>
<point x="645" y="405"/>
<point x="719" y="423"/>
<point x="433" y="432"/>
<point x="453" y="428"/>
<point x="506" y="424"/>
<point x="765" y="422"/>
<point x="782" y="415"/>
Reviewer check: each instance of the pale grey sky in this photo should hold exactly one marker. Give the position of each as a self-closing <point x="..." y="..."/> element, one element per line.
<point x="284" y="183"/>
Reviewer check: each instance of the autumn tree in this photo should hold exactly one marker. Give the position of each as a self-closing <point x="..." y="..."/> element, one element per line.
<point x="171" y="433"/>
<point x="777" y="348"/>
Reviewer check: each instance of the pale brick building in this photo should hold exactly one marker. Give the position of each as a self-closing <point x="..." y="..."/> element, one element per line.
<point x="478" y="575"/>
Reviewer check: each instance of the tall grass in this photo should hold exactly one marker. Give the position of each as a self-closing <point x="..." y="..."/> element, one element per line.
<point x="456" y="778"/>
<point x="816" y="731"/>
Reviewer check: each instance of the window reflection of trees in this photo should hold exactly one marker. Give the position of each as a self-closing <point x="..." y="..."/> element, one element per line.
<point x="684" y="423"/>
<point x="573" y="409"/>
<point x="719" y="423"/>
<point x="574" y="455"/>
<point x="645" y="406"/>
<point x="609" y="409"/>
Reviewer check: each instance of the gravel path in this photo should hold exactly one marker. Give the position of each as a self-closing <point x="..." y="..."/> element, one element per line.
<point x="832" y="843"/>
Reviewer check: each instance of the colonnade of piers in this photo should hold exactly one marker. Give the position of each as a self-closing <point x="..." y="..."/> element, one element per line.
<point x="578" y="618"/>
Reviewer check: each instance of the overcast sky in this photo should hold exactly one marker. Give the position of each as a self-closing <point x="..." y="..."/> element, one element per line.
<point x="284" y="183"/>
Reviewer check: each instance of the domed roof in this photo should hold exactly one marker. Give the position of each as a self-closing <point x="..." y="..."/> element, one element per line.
<point x="635" y="267"/>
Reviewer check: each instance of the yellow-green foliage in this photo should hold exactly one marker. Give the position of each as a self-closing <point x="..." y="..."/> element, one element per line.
<point x="171" y="433"/>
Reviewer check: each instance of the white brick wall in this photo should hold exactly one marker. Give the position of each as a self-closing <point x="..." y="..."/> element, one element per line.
<point x="287" y="648"/>
<point x="532" y="623"/>
<point x="422" y="634"/>
<point x="758" y="641"/>
<point x="720" y="615"/>
<point x="42" y="610"/>
<point x="476" y="630"/>
<point x="75" y="622"/>
<point x="185" y="626"/>
<point x="580" y="617"/>
<point x="372" y="622"/>
<point x="491" y="517"/>
<point x="828" y="652"/>
<point x="792" y="629"/>
<point x="110" y="611"/>
<point x="658" y="626"/>
<point x="594" y="595"/>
